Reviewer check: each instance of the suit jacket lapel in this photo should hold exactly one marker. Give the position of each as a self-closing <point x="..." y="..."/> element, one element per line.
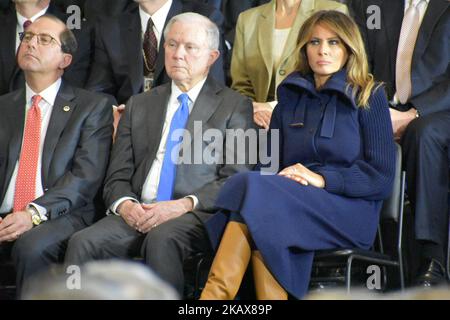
<point x="155" y="115"/>
<point x="434" y="11"/>
<point x="175" y="9"/>
<point x="266" y="25"/>
<point x="16" y="117"/>
<point x="9" y="50"/>
<point x="206" y="104"/>
<point x="58" y="119"/>
<point x="131" y="34"/>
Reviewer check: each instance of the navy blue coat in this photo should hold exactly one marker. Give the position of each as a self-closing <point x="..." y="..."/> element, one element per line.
<point x="352" y="148"/>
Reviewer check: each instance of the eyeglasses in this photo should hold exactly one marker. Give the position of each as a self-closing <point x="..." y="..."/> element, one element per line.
<point x="42" y="38"/>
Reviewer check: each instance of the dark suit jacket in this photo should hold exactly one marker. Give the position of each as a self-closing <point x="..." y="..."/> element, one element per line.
<point x="430" y="71"/>
<point x="139" y="135"/>
<point x="76" y="149"/>
<point x="231" y="10"/>
<point x="118" y="61"/>
<point x="11" y="77"/>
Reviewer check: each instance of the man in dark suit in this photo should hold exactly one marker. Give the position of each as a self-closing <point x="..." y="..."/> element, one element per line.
<point x="156" y="210"/>
<point x="118" y="66"/>
<point x="55" y="148"/>
<point x="422" y="120"/>
<point x="12" y="23"/>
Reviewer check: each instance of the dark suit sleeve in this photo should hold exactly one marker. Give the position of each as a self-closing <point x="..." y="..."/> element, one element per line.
<point x="78" y="186"/>
<point x="241" y="118"/>
<point x="217" y="69"/>
<point x="122" y="165"/>
<point x="78" y="72"/>
<point x="101" y="78"/>
<point x="436" y="98"/>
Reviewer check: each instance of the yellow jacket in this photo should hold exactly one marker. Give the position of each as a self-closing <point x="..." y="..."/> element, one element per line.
<point x="252" y="60"/>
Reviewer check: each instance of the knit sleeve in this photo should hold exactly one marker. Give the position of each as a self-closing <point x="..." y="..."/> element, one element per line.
<point x="370" y="177"/>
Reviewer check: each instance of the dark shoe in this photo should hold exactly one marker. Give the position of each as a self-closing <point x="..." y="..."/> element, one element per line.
<point x="431" y="274"/>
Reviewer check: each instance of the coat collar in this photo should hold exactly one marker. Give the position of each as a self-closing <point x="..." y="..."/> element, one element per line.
<point x="336" y="87"/>
<point x="337" y="83"/>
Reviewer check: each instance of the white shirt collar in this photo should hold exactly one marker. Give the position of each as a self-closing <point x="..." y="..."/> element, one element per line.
<point x="159" y="17"/>
<point x="48" y="94"/>
<point x="192" y="94"/>
<point x="21" y="19"/>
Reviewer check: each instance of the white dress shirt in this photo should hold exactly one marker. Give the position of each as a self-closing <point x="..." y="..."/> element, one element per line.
<point x="46" y="106"/>
<point x="21" y="20"/>
<point x="150" y="187"/>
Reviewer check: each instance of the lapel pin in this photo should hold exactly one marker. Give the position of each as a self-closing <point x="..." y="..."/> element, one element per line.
<point x="66" y="108"/>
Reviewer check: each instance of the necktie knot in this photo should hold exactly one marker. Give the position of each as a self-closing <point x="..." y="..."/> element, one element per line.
<point x="184" y="99"/>
<point x="26" y="24"/>
<point x="149" y="24"/>
<point x="35" y="100"/>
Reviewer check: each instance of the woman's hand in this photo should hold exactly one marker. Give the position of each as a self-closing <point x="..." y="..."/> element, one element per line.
<point x="262" y="112"/>
<point x="303" y="175"/>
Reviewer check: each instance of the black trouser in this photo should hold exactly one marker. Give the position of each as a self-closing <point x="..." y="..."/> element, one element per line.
<point x="35" y="250"/>
<point x="164" y="248"/>
<point x="426" y="160"/>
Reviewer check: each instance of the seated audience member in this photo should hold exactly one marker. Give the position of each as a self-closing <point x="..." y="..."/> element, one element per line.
<point x="337" y="159"/>
<point x="263" y="52"/>
<point x="129" y="55"/>
<point x="55" y="148"/>
<point x="18" y="16"/>
<point x="412" y="56"/>
<point x="157" y="201"/>
<point x="99" y="280"/>
<point x="231" y="10"/>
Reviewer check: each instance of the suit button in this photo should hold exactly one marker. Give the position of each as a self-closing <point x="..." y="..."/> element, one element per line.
<point x="311" y="131"/>
<point x="282" y="72"/>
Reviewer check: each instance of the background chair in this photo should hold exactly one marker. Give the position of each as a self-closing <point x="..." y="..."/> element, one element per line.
<point x="337" y="267"/>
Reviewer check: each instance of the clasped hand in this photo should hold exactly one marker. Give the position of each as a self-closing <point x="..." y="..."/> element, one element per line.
<point x="144" y="217"/>
<point x="14" y="225"/>
<point x="303" y="175"/>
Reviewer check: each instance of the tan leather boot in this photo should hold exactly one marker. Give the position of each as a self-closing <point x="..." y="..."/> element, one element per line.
<point x="266" y="287"/>
<point x="229" y="265"/>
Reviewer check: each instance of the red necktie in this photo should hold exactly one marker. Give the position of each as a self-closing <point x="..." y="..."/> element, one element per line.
<point x="150" y="48"/>
<point x="26" y="24"/>
<point x="26" y="178"/>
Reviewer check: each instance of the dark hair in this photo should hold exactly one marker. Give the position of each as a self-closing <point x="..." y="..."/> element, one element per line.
<point x="69" y="43"/>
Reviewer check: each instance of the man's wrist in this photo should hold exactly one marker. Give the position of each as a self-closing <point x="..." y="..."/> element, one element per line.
<point x="35" y="216"/>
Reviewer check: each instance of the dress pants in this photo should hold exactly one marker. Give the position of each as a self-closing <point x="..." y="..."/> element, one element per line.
<point x="164" y="248"/>
<point x="35" y="250"/>
<point x="426" y="160"/>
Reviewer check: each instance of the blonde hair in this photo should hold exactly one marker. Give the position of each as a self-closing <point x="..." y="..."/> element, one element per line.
<point x="358" y="76"/>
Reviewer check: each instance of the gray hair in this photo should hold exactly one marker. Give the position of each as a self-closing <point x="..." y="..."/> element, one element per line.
<point x="212" y="32"/>
<point x="100" y="280"/>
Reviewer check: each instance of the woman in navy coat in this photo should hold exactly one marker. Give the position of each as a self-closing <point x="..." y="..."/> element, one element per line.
<point x="336" y="159"/>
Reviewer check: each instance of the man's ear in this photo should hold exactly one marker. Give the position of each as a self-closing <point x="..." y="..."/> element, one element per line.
<point x="67" y="60"/>
<point x="213" y="55"/>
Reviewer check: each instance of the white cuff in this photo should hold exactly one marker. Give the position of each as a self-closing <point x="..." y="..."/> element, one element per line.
<point x="272" y="104"/>
<point x="42" y="211"/>
<point x="194" y="200"/>
<point x="113" y="209"/>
